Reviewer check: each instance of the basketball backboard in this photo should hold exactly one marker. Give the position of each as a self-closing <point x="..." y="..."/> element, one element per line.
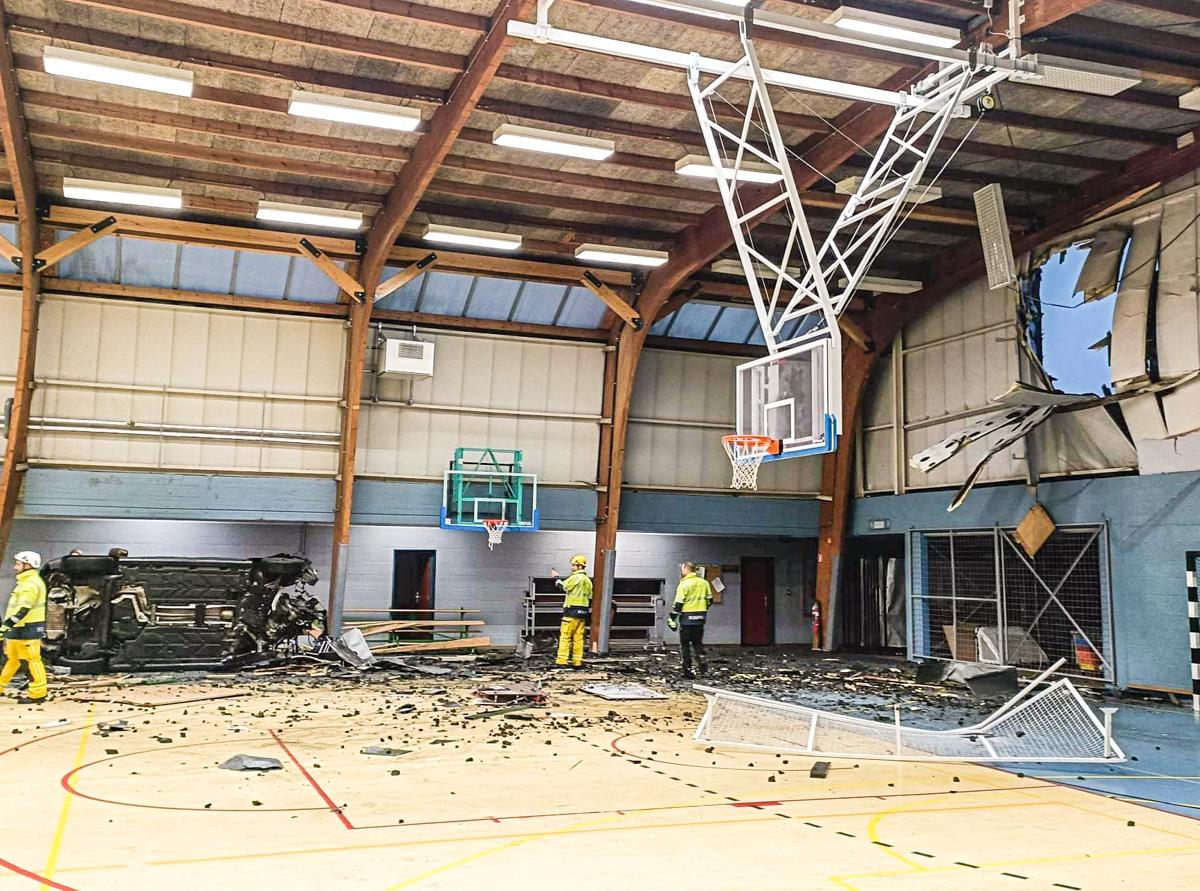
<point x="794" y="397"/>
<point x="485" y="484"/>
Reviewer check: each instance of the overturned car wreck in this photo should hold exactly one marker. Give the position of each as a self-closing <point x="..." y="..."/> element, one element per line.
<point x="118" y="613"/>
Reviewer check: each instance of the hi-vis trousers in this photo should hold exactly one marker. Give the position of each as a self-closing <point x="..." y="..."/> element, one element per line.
<point x="29" y="652"/>
<point x="570" y="641"/>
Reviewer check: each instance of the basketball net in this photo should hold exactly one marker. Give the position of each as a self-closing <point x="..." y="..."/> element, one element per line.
<point x="495" y="531"/>
<point x="746" y="454"/>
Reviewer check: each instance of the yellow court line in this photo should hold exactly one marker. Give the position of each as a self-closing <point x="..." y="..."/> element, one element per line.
<point x="60" y="830"/>
<point x="496" y="849"/>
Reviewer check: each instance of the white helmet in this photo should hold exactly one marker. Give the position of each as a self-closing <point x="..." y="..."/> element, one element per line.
<point x="33" y="558"/>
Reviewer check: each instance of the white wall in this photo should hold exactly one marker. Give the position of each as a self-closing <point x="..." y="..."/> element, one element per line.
<point x="683" y="403"/>
<point x="141" y="367"/>
<point x="540" y="396"/>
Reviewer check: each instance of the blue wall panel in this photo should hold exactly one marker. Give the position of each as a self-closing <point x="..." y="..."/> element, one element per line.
<point x="718" y="514"/>
<point x="1153" y="521"/>
<point x="400" y="503"/>
<point x="53" y="492"/>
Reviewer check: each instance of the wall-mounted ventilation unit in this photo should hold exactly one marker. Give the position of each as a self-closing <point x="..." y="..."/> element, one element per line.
<point x="993" y="230"/>
<point x="408" y="358"/>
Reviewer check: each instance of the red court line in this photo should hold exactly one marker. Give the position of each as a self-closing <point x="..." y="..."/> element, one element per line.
<point x="50" y="883"/>
<point x="312" y="782"/>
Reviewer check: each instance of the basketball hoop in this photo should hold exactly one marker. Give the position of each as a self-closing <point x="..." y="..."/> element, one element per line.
<point x="746" y="453"/>
<point x="495" y="531"/>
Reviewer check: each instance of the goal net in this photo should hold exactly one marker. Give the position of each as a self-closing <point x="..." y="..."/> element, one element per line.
<point x="1053" y="725"/>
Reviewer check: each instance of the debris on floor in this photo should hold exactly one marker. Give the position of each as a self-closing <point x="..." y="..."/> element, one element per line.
<point x="622" y="691"/>
<point x="511" y="692"/>
<point x="384" y="750"/>
<point x="251" y="762"/>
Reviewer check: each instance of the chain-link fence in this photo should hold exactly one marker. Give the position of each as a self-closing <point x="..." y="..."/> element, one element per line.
<point x="978" y="597"/>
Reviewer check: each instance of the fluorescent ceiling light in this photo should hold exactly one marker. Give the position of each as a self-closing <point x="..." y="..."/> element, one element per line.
<point x="882" y="285"/>
<point x="120" y="193"/>
<point x="327" y="217"/>
<point x="120" y="72"/>
<point x="916" y="195"/>
<point x="749" y="172"/>
<point x="353" y="111"/>
<point x="535" y="139"/>
<point x="602" y="253"/>
<point x="499" y="241"/>
<point x="1190" y="100"/>
<point x="879" y="24"/>
<point x="1078" y="76"/>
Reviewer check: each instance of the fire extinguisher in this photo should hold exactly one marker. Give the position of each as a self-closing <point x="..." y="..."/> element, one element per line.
<point x="816" y="625"/>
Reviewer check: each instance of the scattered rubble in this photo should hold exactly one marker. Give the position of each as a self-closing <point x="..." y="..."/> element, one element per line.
<point x="251" y="762"/>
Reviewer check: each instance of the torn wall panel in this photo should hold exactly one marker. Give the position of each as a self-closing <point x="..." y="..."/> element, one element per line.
<point x="1144" y="418"/>
<point x="1098" y="276"/>
<point x="1083" y="441"/>
<point x="1178" y="304"/>
<point x="1181" y="409"/>
<point x="1132" y="310"/>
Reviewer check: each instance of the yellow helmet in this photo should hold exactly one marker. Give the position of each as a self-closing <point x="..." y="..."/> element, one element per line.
<point x="579" y="560"/>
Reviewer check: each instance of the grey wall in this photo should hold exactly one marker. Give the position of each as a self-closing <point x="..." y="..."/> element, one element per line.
<point x="1152" y="520"/>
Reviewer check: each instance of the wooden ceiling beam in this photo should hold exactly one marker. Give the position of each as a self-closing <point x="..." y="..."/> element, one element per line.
<point x="1185" y="9"/>
<point x="284" y="32"/>
<point x="491" y="326"/>
<point x="510" y="267"/>
<point x="1150" y="42"/>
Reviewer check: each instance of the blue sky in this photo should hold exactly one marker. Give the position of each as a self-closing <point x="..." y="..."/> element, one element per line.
<point x="1070" y="326"/>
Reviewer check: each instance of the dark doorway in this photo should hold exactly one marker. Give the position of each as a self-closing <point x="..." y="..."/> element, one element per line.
<point x="758" y="601"/>
<point x="412" y="580"/>
<point x="871" y="605"/>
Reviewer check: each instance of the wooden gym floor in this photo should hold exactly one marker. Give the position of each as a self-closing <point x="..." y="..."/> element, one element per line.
<point x="585" y="794"/>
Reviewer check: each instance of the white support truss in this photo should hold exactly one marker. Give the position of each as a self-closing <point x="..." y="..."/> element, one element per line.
<point x="799" y="289"/>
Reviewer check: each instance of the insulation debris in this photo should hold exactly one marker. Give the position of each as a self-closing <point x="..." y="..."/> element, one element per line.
<point x="384" y="750"/>
<point x="622" y="691"/>
<point x="251" y="762"/>
<point x="523" y="691"/>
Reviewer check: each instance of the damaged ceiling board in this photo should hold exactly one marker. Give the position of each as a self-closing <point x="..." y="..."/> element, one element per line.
<point x="1084" y="440"/>
<point x="1132" y="310"/>
<point x="1027" y="394"/>
<point x="1098" y="277"/>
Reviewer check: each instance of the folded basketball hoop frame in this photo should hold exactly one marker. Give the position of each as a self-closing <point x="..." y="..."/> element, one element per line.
<point x="799" y="286"/>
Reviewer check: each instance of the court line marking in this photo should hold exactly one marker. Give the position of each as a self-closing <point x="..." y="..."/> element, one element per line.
<point x="64" y="812"/>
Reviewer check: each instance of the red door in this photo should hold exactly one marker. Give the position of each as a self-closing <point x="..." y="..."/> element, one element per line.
<point x="758" y="601"/>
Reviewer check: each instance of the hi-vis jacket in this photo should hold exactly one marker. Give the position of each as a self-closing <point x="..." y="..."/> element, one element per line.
<point x="25" y="616"/>
<point x="578" y="588"/>
<point x="693" y="597"/>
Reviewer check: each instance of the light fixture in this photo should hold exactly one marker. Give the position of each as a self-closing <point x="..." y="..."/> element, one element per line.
<point x="734" y="267"/>
<point x="121" y="193"/>
<point x="864" y="21"/>
<point x="917" y="195"/>
<point x="748" y="172"/>
<point x="603" y="253"/>
<point x="1190" y="100"/>
<point x="326" y="217"/>
<point x="500" y="241"/>
<point x="881" y="285"/>
<point x="895" y="28"/>
<point x="550" y="142"/>
<point x="998" y="257"/>
<point x="1078" y="76"/>
<point x="353" y="111"/>
<point x="120" y="72"/>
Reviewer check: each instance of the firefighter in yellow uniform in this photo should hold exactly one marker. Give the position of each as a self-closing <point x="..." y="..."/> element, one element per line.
<point x="693" y="597"/>
<point x="23" y="627"/>
<point x="577" y="607"/>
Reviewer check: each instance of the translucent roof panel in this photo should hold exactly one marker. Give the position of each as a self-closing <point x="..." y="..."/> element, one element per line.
<point x="405" y="298"/>
<point x="492" y="298"/>
<point x="660" y="327"/>
<point x="9" y="231"/>
<point x="445" y="293"/>
<point x="694" y="320"/>
<point x="95" y="263"/>
<point x="261" y="275"/>
<point x="582" y="309"/>
<point x="309" y="284"/>
<point x="538" y="303"/>
<point x="735" y="324"/>
<point x="203" y="268"/>
<point x="148" y="264"/>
